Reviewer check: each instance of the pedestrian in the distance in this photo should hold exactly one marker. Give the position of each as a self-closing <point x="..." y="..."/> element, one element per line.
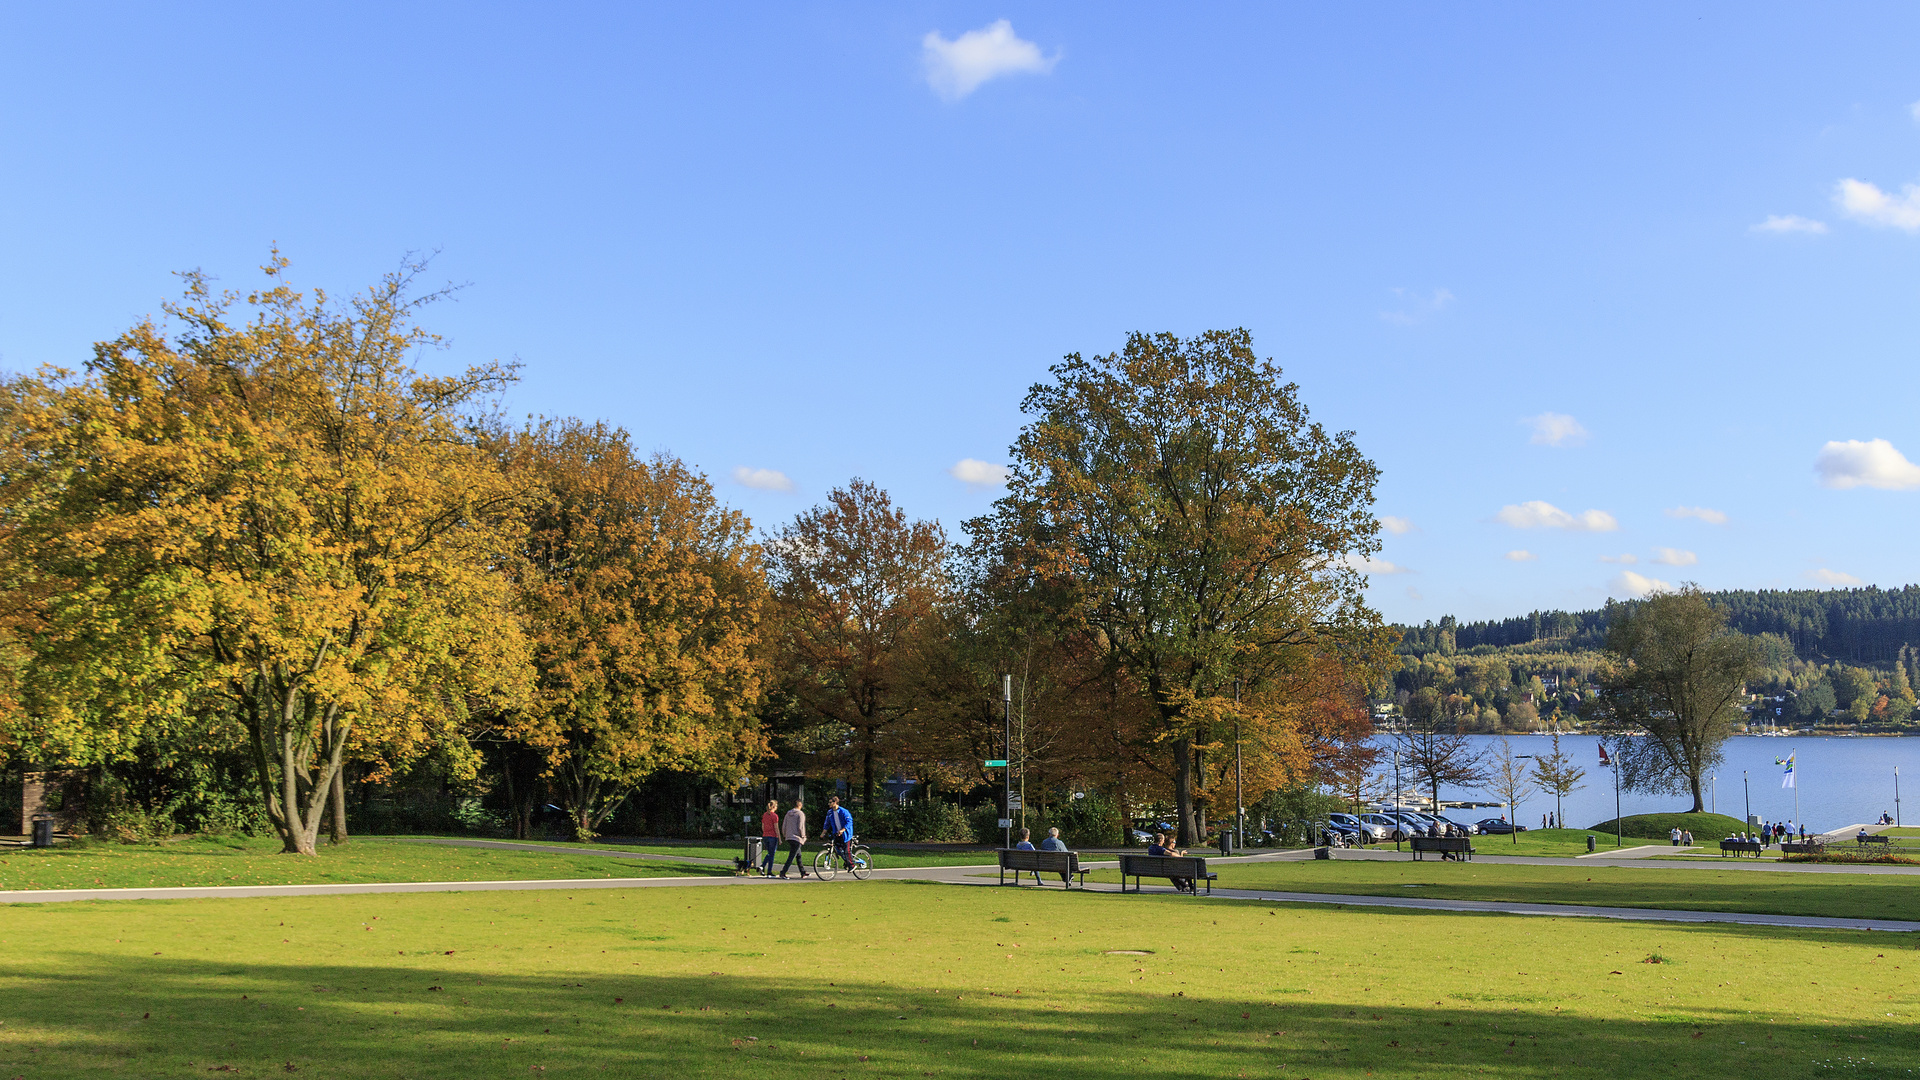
<point x="769" y="836"/>
<point x="795" y="832"/>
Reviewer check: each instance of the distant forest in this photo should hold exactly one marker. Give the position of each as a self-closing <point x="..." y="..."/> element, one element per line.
<point x="1867" y="627"/>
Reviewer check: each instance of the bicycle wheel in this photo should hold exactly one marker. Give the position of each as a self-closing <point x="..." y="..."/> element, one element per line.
<point x="823" y="863"/>
<point x="862" y="863"/>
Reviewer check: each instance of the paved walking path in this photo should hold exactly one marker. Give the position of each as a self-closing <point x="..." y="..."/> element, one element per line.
<point x="558" y="849"/>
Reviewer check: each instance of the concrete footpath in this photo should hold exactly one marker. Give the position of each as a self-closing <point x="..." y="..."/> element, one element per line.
<point x="983" y="876"/>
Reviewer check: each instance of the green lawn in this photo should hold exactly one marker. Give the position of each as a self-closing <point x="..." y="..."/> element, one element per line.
<point x="1857" y="896"/>
<point x="257" y="861"/>
<point x="885" y="979"/>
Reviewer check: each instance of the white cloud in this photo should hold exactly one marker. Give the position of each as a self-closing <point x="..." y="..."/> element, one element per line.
<point x="1543" y="515"/>
<point x="1555" y="429"/>
<point x="1711" y="517"/>
<point x="1789" y="223"/>
<point x="1637" y="586"/>
<point x="1625" y="560"/>
<point x="1374" y="566"/>
<point x="1674" y="557"/>
<point x="1913" y="110"/>
<point x="1398" y="526"/>
<point x="1414" y="594"/>
<point x="1833" y="577"/>
<point x="1861" y="200"/>
<point x="957" y="68"/>
<point x="1521" y="555"/>
<point x="978" y="473"/>
<point x="1418" y="306"/>
<point x="762" y="479"/>
<point x="1873" y="463"/>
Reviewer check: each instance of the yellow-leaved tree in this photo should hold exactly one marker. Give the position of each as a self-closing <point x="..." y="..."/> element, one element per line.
<point x="266" y="516"/>
<point x="642" y="596"/>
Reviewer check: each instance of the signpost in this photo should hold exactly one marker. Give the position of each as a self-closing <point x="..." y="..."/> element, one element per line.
<point x="997" y="763"/>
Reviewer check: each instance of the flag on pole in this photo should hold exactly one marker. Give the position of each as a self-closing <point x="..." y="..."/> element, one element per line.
<point x="1786" y="780"/>
<point x="1604" y="760"/>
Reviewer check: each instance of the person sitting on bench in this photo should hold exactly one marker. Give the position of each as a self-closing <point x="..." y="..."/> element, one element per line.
<point x="1026" y="844"/>
<point x="1054" y="843"/>
<point x="1162" y="845"/>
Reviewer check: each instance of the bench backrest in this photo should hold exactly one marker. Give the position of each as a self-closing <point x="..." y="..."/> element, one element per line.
<point x="1740" y="845"/>
<point x="1441" y="843"/>
<point x="1052" y="861"/>
<point x="1183" y="866"/>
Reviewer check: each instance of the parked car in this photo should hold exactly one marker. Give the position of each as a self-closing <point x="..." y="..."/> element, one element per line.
<point x="1500" y="827"/>
<point x="1467" y="827"/>
<point x="1357" y="830"/>
<point x="1394" y="828"/>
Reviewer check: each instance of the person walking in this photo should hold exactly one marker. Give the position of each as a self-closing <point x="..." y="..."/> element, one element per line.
<point x="794" y="829"/>
<point x="769" y="837"/>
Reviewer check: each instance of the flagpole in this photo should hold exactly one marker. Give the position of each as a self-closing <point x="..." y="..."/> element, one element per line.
<point x="1794" y="757"/>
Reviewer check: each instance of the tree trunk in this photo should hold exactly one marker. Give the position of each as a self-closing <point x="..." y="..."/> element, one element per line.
<point x="339" y="806"/>
<point x="1699" y="804"/>
<point x="1183" y="790"/>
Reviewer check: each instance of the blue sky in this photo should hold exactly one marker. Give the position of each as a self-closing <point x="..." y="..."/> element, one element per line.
<point x="1522" y="251"/>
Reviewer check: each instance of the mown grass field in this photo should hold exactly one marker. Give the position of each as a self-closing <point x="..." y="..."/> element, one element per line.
<point x="257" y="861"/>
<point x="1854" y="896"/>
<point x="893" y="979"/>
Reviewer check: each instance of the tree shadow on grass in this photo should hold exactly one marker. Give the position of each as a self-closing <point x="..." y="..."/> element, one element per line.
<point x="438" y="1017"/>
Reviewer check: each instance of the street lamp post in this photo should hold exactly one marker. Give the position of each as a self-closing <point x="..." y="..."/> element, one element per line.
<point x="1006" y="701"/>
<point x="1896" y="796"/>
<point x="1239" y="802"/>
<point x="1747" y="791"/>
<point x="1713" y="794"/>
<point x="1396" y="798"/>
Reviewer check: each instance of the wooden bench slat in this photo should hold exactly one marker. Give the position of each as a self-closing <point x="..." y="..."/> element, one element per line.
<point x="1189" y="867"/>
<point x="1037" y="862"/>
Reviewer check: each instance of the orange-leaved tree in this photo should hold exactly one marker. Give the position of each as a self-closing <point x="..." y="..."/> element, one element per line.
<point x="858" y="587"/>
<point x="643" y="597"/>
<point x="268" y="515"/>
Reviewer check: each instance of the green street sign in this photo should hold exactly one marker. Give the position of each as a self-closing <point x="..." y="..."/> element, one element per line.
<point x="997" y="764"/>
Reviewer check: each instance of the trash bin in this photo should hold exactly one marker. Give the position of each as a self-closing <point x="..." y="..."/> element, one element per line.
<point x="42" y="832"/>
<point x="753" y="853"/>
<point x="1323" y="853"/>
<point x="1226" y="842"/>
<point x="1590" y="846"/>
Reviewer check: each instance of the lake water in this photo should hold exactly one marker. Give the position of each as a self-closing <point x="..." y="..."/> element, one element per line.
<point x="1842" y="781"/>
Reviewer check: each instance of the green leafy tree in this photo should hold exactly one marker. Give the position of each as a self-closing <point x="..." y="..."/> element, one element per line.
<point x="1675" y="691"/>
<point x="1209" y="529"/>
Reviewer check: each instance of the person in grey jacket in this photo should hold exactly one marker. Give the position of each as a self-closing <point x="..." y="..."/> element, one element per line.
<point x="794" y="831"/>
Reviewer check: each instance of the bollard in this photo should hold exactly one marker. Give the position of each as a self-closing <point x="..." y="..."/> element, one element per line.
<point x="1590" y="847"/>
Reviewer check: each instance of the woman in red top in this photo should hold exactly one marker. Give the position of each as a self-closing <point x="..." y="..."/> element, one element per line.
<point x="769" y="836"/>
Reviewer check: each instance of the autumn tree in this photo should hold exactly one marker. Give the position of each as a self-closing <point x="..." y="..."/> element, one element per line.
<point x="1559" y="777"/>
<point x="1509" y="777"/>
<point x="268" y="516"/>
<point x="1674" y="691"/>
<point x="857" y="586"/>
<point x="643" y="599"/>
<point x="1206" y="524"/>
<point x="1433" y="751"/>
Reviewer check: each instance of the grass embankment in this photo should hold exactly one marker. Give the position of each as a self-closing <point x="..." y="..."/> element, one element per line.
<point x="1851" y="896"/>
<point x="883" y="979"/>
<point x="884" y="854"/>
<point x="1540" y="842"/>
<point x="257" y="861"/>
<point x="1705" y="827"/>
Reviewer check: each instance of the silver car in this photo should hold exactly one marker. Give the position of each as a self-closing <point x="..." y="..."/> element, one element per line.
<point x="1394" y="828"/>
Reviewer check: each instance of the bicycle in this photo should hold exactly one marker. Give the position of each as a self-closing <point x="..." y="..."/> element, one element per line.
<point x="858" y="861"/>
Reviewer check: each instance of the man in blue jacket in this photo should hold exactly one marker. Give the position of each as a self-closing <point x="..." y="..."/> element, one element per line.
<point x="839" y="828"/>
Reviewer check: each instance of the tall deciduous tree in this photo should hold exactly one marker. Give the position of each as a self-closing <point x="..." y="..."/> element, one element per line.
<point x="1209" y="529"/>
<point x="858" y="587"/>
<point x="1675" y="690"/>
<point x="271" y="517"/>
<point x="643" y="598"/>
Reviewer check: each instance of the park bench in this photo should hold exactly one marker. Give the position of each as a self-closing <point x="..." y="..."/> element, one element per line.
<point x="1041" y="862"/>
<point x="1883" y="841"/>
<point x="1163" y="866"/>
<point x="1459" y="846"/>
<point x="1803" y="847"/>
<point x="1737" y="848"/>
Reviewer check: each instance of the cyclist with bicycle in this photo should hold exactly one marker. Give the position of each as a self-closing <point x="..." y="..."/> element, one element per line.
<point x="839" y="829"/>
